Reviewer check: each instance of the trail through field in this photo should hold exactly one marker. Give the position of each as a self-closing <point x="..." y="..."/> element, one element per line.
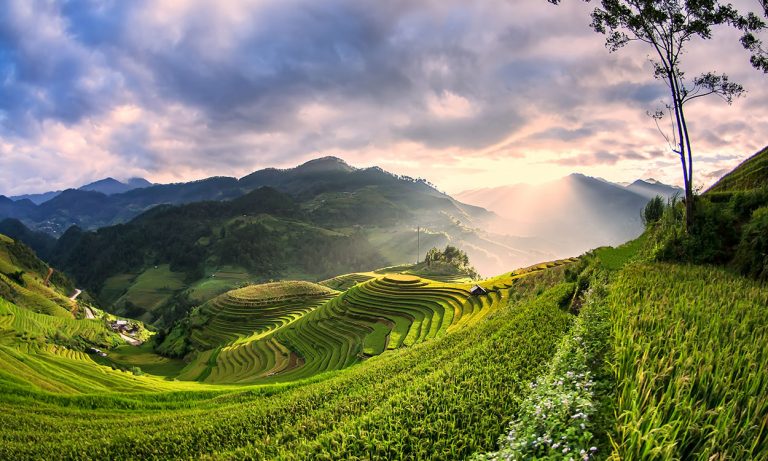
<point x="77" y="293"/>
<point x="131" y="341"/>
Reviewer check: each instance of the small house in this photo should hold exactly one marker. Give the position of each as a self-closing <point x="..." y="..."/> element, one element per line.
<point x="477" y="290"/>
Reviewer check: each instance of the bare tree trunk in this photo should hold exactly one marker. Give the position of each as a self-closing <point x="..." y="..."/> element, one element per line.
<point x="682" y="138"/>
<point x="685" y="150"/>
<point x="689" y="198"/>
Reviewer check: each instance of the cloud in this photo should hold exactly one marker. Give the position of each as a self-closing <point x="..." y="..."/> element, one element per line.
<point x="181" y="89"/>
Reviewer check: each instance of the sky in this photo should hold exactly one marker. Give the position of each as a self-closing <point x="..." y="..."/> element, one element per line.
<point x="465" y="94"/>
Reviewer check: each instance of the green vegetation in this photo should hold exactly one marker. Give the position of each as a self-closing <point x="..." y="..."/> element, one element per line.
<point x="690" y="362"/>
<point x="343" y="282"/>
<point x="252" y="311"/>
<point x="218" y="281"/>
<point x="653" y="210"/>
<point x="22" y="281"/>
<point x="751" y="256"/>
<point x="562" y="416"/>
<point x="751" y="174"/>
<point x="385" y="408"/>
<point x="626" y="353"/>
<point x="286" y="331"/>
<point x="147" y="292"/>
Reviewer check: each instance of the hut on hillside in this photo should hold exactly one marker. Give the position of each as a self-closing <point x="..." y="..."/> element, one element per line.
<point x="477" y="290"/>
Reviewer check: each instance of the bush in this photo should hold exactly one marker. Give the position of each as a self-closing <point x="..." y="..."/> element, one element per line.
<point x="18" y="277"/>
<point x="752" y="253"/>
<point x="653" y="210"/>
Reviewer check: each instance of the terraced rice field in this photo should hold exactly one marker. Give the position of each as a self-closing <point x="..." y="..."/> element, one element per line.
<point x="16" y="321"/>
<point x="440" y="399"/>
<point x="248" y="313"/>
<point x="344" y="282"/>
<point x="248" y="339"/>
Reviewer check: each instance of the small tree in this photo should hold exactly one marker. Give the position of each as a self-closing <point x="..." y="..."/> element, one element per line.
<point x="653" y="210"/>
<point x="666" y="26"/>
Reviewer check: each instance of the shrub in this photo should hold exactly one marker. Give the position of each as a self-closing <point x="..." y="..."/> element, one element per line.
<point x="653" y="210"/>
<point x="18" y="277"/>
<point x="752" y="253"/>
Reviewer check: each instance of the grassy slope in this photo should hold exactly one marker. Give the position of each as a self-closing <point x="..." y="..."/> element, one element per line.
<point x="150" y="290"/>
<point x="691" y="363"/>
<point x="409" y="403"/>
<point x="34" y="294"/>
<point x="751" y="174"/>
<point x="270" y="333"/>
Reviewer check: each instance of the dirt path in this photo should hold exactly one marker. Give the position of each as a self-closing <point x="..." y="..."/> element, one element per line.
<point x="77" y="293"/>
<point x="131" y="341"/>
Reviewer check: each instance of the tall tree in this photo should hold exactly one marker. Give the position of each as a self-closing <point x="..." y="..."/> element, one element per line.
<point x="667" y="26"/>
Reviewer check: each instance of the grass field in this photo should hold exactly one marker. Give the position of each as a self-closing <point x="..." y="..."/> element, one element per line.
<point x="150" y="290"/>
<point x="115" y="286"/>
<point x="751" y="174"/>
<point x="218" y="281"/>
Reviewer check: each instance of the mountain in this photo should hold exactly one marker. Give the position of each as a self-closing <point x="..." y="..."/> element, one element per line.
<point x="40" y="242"/>
<point x="107" y="186"/>
<point x="310" y="222"/>
<point x="329" y="175"/>
<point x="37" y="199"/>
<point x="394" y="356"/>
<point x="570" y="215"/>
<point x="650" y="188"/>
<point x="21" y="209"/>
<point x="332" y="194"/>
<point x="110" y="186"/>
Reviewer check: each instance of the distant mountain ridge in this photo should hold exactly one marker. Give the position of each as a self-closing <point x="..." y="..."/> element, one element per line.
<point x="650" y="188"/>
<point x="97" y="204"/>
<point x="107" y="186"/>
<point x="572" y="214"/>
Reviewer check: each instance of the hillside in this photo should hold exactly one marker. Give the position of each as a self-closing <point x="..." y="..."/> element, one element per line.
<point x="751" y="174"/>
<point x="26" y="282"/>
<point x="380" y="390"/>
<point x="108" y="202"/>
<point x="292" y="330"/>
<point x="328" y="218"/>
<point x="396" y="360"/>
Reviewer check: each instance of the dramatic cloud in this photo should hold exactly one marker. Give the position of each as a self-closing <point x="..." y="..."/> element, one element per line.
<point x="466" y="93"/>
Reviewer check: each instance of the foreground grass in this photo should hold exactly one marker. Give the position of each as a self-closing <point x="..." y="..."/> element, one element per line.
<point x="443" y="399"/>
<point x="690" y="364"/>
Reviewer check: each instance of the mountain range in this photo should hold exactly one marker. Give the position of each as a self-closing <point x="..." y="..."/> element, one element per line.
<point x="572" y="214"/>
<point x="524" y="225"/>
<point x="107" y="186"/>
